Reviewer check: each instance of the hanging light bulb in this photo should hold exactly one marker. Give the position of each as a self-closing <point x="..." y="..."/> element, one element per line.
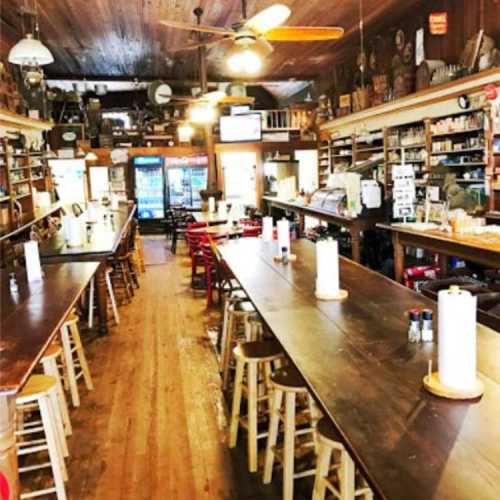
<point x="30" y="52"/>
<point x="202" y="113"/>
<point x="244" y="61"/>
<point x="185" y="132"/>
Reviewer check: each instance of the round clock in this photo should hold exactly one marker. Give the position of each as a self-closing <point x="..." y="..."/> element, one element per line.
<point x="463" y="101"/>
<point x="159" y="93"/>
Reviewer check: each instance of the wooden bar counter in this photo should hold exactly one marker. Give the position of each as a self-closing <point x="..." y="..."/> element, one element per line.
<point x="104" y="242"/>
<point x="30" y="320"/>
<point x="355" y="225"/>
<point x="483" y="249"/>
<point x="356" y="360"/>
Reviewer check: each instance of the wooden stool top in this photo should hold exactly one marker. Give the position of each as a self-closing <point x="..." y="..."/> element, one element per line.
<point x="267" y="350"/>
<point x="36" y="386"/>
<point x="52" y="351"/>
<point x="288" y="379"/>
<point x="327" y="431"/>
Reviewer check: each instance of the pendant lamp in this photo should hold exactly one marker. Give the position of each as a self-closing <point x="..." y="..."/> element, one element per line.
<point x="30" y="52"/>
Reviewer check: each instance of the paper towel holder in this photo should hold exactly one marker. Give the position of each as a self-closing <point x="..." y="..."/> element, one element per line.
<point x="339" y="295"/>
<point x="291" y="258"/>
<point x="433" y="385"/>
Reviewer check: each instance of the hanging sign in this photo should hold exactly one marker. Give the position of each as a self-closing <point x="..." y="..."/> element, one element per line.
<point x="438" y="23"/>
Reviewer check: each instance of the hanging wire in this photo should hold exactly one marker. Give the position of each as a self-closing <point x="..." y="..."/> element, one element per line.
<point x="362" y="40"/>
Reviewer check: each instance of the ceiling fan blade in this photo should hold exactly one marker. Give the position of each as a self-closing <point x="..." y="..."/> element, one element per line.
<point x="268" y="19"/>
<point x="265" y="48"/>
<point x="196" y="27"/>
<point x="303" y="34"/>
<point x="195" y="46"/>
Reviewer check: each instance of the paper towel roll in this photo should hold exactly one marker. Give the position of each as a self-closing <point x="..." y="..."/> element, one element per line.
<point x="114" y="202"/>
<point x="283" y="235"/>
<point x="222" y="209"/>
<point x="76" y="230"/>
<point x="211" y="204"/>
<point x="32" y="257"/>
<point x="457" y="339"/>
<point x="327" y="267"/>
<point x="92" y="212"/>
<point x="267" y="229"/>
<point x="65" y="226"/>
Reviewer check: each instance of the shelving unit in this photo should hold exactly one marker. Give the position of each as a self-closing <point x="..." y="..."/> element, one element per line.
<point x="324" y="162"/>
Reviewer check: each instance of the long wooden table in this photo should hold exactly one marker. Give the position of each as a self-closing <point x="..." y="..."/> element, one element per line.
<point x="482" y="249"/>
<point x="356" y="360"/>
<point x="211" y="217"/>
<point x="355" y="225"/>
<point x="104" y="242"/>
<point x="29" y="322"/>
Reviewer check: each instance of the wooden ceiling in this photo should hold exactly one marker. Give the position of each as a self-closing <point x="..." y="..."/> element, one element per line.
<point x="122" y="38"/>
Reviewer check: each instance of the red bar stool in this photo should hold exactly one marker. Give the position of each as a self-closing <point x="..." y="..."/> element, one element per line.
<point x="339" y="477"/>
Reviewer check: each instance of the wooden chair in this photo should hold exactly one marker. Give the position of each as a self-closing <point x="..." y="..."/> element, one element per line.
<point x="288" y="384"/>
<point x="251" y="357"/>
<point x="41" y="391"/>
<point x="251" y="231"/>
<point x="339" y="477"/>
<point x="195" y="253"/>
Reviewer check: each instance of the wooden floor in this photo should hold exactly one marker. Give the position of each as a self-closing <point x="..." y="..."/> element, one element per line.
<point x="156" y="425"/>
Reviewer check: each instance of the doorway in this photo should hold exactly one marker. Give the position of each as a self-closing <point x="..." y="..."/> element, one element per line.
<point x="240" y="177"/>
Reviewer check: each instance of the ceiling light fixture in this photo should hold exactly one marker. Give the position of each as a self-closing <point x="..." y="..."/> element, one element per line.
<point x="244" y="61"/>
<point x="202" y="114"/>
<point x="30" y="52"/>
<point x="185" y="132"/>
<point x="91" y="156"/>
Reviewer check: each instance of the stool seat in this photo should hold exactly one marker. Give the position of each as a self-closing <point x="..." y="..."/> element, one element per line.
<point x="258" y="351"/>
<point x="244" y="306"/>
<point x="72" y="318"/>
<point x="53" y="351"/>
<point x="288" y="379"/>
<point x="239" y="295"/>
<point x="328" y="432"/>
<point x="36" y="385"/>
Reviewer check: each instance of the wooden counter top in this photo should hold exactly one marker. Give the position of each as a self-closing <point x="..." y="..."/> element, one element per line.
<point x="30" y="321"/>
<point x="357" y="362"/>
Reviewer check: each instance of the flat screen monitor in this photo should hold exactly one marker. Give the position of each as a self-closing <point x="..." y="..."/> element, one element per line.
<point x="241" y="128"/>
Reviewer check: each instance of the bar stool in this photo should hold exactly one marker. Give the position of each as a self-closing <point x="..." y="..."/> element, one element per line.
<point x="41" y="390"/>
<point x="71" y="342"/>
<point x="250" y="357"/>
<point x="340" y="477"/>
<point x="254" y="330"/>
<point x="49" y="363"/>
<point x="289" y="383"/>
<point x="238" y="313"/>
<point x="111" y="294"/>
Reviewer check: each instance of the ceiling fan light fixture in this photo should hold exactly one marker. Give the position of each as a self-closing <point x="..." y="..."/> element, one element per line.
<point x="244" y="62"/>
<point x="30" y="52"/>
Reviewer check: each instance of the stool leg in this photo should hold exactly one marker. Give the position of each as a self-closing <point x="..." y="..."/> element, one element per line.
<point x="289" y="446"/>
<point x="70" y="366"/>
<point x="316" y="415"/>
<point x="58" y="423"/>
<point x="346" y="476"/>
<point x="112" y="299"/>
<point x="91" y="302"/>
<point x="54" y="456"/>
<point x="272" y="438"/>
<point x="81" y="356"/>
<point x="226" y="354"/>
<point x="235" y="412"/>
<point x="50" y="368"/>
<point x="322" y="468"/>
<point x="224" y="329"/>
<point x="252" y="416"/>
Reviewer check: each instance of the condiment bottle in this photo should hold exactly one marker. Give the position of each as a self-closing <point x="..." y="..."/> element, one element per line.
<point x="414" y="326"/>
<point x="427" y="331"/>
<point x="284" y="255"/>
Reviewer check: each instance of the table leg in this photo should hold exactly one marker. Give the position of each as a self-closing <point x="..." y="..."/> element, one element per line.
<point x="399" y="258"/>
<point x="102" y="299"/>
<point x="9" y="475"/>
<point x="444" y="264"/>
<point x="355" y="245"/>
<point x="302" y="223"/>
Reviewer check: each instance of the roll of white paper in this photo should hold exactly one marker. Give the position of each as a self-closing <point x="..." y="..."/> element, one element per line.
<point x="92" y="212"/>
<point x="283" y="236"/>
<point x="222" y="209"/>
<point x="211" y="204"/>
<point x="32" y="256"/>
<point x="114" y="201"/>
<point x="327" y="267"/>
<point x="267" y="229"/>
<point x="75" y="238"/>
<point x="65" y="226"/>
<point x="457" y="339"/>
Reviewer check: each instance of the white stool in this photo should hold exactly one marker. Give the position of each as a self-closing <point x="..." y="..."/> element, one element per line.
<point x="49" y="363"/>
<point x="71" y="342"/>
<point x="41" y="391"/>
<point x="340" y="477"/>
<point x="112" y="299"/>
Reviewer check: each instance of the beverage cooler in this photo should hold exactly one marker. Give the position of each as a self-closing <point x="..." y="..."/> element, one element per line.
<point x="185" y="178"/>
<point x="149" y="188"/>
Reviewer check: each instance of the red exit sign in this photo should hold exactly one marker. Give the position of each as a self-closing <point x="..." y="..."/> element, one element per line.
<point x="438" y="23"/>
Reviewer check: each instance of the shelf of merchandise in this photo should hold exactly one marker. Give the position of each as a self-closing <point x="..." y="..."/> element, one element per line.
<point x="324" y="162"/>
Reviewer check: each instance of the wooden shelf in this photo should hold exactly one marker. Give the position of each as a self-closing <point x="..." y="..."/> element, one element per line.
<point x="471" y="164"/>
<point x="458" y="132"/>
<point x="470" y="181"/>
<point x="4" y="198"/>
<point x="20" y="181"/>
<point x="14" y="120"/>
<point x="41" y="178"/>
<point x="410" y="146"/>
<point x="457" y="152"/>
<point x="369" y="150"/>
<point x="20" y="196"/>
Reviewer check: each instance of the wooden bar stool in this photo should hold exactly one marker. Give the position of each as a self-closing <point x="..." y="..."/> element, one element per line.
<point x="112" y="299"/>
<point x="41" y="390"/>
<point x="238" y="313"/>
<point x="339" y="477"/>
<point x="76" y="366"/>
<point x="289" y="383"/>
<point x="49" y="363"/>
<point x="229" y="297"/>
<point x="251" y="356"/>
<point x="254" y="329"/>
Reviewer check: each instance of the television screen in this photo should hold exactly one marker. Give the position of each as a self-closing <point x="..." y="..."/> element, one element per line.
<point x="241" y="128"/>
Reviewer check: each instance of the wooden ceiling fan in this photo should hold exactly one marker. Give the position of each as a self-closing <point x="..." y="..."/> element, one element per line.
<point x="262" y="28"/>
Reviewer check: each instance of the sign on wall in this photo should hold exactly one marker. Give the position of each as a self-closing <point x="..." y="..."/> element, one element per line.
<point x="438" y="23"/>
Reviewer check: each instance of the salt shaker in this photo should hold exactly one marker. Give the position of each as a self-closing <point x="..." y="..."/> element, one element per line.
<point x="427" y="332"/>
<point x="414" y="326"/>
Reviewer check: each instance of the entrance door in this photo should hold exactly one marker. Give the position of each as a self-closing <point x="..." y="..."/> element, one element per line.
<point x="240" y="179"/>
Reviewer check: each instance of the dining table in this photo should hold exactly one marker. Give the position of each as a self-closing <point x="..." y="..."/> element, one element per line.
<point x="107" y="231"/>
<point x="356" y="360"/>
<point x="212" y="218"/>
<point x="30" y="318"/>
